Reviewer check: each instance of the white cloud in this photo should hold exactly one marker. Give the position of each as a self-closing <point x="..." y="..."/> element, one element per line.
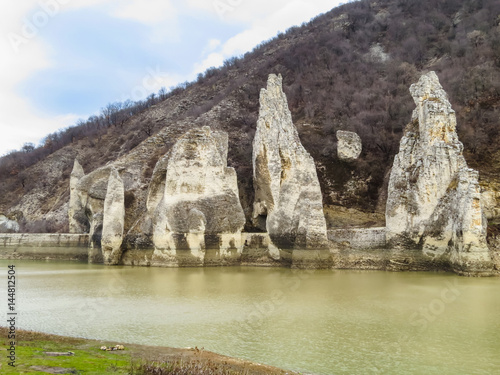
<point x="147" y="11"/>
<point x="24" y="53"/>
<point x="152" y="81"/>
<point x="213" y="44"/>
<point x="267" y="19"/>
<point x="213" y="60"/>
<point x="20" y="122"/>
<point x="160" y="16"/>
<point x="246" y="11"/>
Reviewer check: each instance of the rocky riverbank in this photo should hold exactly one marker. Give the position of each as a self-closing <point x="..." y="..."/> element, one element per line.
<point x="44" y="353"/>
<point x="192" y="214"/>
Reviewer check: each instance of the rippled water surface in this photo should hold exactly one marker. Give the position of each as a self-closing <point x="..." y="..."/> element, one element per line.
<point x="322" y="322"/>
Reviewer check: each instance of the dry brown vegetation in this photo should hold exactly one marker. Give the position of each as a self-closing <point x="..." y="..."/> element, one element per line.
<point x="335" y="78"/>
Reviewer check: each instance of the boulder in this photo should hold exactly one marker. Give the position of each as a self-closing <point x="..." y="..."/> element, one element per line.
<point x="434" y="199"/>
<point x="349" y="145"/>
<point x="198" y="198"/>
<point x="288" y="200"/>
<point x="113" y="219"/>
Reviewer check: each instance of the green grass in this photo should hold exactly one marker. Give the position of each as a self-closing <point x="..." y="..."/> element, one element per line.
<point x="87" y="359"/>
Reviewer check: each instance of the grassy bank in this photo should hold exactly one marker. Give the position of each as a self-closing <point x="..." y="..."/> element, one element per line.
<point x="39" y="353"/>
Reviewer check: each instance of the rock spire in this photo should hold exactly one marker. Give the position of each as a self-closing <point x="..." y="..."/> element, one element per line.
<point x="434" y="198"/>
<point x="288" y="200"/>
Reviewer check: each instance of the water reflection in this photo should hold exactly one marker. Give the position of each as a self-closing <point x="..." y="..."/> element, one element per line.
<point x="324" y="322"/>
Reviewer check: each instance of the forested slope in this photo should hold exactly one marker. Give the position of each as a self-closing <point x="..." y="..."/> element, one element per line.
<point x="348" y="69"/>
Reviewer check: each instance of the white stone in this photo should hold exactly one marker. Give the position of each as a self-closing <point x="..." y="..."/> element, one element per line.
<point x="113" y="219"/>
<point x="349" y="145"/>
<point x="434" y="198"/>
<point x="75" y="205"/>
<point x="490" y="201"/>
<point x="91" y="192"/>
<point x="199" y="197"/>
<point x="288" y="200"/>
<point x="7" y="225"/>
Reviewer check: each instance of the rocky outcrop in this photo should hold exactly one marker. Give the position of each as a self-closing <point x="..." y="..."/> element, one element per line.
<point x="198" y="199"/>
<point x="113" y="219"/>
<point x="288" y="200"/>
<point x="91" y="191"/>
<point x="88" y="195"/>
<point x="75" y="209"/>
<point x="349" y="145"/>
<point x="434" y="198"/>
<point x="8" y="225"/>
<point x="490" y="200"/>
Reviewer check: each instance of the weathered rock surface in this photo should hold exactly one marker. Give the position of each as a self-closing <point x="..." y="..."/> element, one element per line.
<point x="199" y="197"/>
<point x="91" y="191"/>
<point x="288" y="200"/>
<point x="7" y="225"/>
<point x="349" y="145"/>
<point x="490" y="200"/>
<point x="113" y="219"/>
<point x="434" y="198"/>
<point x="75" y="212"/>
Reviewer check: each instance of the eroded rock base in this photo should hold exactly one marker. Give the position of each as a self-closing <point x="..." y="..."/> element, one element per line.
<point x="363" y="249"/>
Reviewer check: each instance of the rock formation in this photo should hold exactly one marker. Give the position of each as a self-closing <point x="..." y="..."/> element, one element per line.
<point x="198" y="198"/>
<point x="75" y="212"/>
<point x="87" y="196"/>
<point x="113" y="219"/>
<point x="349" y="145"/>
<point x="490" y="200"/>
<point x="7" y="225"/>
<point x="288" y="200"/>
<point x="434" y="198"/>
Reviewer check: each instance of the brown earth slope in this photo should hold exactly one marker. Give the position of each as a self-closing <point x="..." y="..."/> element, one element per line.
<point x="348" y="69"/>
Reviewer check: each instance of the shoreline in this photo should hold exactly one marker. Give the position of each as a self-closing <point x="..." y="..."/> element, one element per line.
<point x="355" y="248"/>
<point x="31" y="357"/>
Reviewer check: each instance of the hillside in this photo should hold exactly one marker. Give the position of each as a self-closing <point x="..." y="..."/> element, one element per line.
<point x="348" y="69"/>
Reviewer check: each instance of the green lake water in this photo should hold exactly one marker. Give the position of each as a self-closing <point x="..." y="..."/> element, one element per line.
<point x="316" y="322"/>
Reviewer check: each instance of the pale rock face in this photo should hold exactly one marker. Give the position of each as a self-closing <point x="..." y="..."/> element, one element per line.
<point x="75" y="205"/>
<point x="199" y="196"/>
<point x="377" y="53"/>
<point x="91" y="192"/>
<point x="349" y="145"/>
<point x="434" y="198"/>
<point x="288" y="200"/>
<point x="113" y="219"/>
<point x="7" y="225"/>
<point x="490" y="201"/>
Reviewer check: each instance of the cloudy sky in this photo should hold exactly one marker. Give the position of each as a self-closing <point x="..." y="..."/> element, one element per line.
<point x="62" y="60"/>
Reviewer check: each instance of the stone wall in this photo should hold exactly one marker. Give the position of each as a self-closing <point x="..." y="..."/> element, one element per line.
<point x="359" y="238"/>
<point x="356" y="248"/>
<point x="43" y="240"/>
<point x="44" y="246"/>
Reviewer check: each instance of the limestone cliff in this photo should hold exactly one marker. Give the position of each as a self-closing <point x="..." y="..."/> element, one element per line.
<point x="434" y="198"/>
<point x="288" y="201"/>
<point x="113" y="219"/>
<point x="198" y="199"/>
